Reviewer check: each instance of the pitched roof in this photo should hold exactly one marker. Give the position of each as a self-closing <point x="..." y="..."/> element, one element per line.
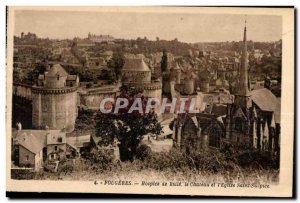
<point x="96" y="139"/>
<point x="34" y="141"/>
<point x="135" y="64"/>
<point x="57" y="69"/>
<point x="79" y="141"/>
<point x="267" y="101"/>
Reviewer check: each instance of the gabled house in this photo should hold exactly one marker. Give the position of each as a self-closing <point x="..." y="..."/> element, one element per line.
<point x="28" y="147"/>
<point x="56" y="146"/>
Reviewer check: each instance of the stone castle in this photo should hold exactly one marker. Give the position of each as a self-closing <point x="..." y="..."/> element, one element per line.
<point x="56" y="96"/>
<point x="54" y="100"/>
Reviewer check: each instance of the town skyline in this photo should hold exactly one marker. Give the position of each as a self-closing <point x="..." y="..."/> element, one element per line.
<point x="189" y="28"/>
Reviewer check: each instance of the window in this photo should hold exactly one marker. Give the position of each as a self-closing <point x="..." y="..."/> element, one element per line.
<point x="58" y="77"/>
<point x="239" y="125"/>
<point x="214" y="136"/>
<point x="27" y="157"/>
<point x="55" y="148"/>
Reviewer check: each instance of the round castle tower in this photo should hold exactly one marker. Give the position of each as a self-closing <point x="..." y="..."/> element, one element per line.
<point x="54" y="100"/>
<point x="136" y="73"/>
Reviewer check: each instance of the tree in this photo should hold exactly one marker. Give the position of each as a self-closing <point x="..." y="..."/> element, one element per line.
<point x="106" y="75"/>
<point x="128" y="128"/>
<point x="87" y="76"/>
<point x="164" y="61"/>
<point x="116" y="63"/>
<point x="32" y="75"/>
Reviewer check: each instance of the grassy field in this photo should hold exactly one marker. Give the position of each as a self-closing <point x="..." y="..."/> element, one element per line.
<point x="136" y="172"/>
<point x="224" y="166"/>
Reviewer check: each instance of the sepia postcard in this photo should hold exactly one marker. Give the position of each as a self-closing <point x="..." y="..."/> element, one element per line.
<point x="188" y="101"/>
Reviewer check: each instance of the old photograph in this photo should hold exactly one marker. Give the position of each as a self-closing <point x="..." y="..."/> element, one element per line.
<point x="181" y="101"/>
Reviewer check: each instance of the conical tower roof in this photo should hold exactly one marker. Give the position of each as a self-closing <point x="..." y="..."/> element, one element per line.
<point x="57" y="69"/>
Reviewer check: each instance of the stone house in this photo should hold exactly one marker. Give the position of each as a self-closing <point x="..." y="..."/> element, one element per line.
<point x="56" y="146"/>
<point x="28" y="149"/>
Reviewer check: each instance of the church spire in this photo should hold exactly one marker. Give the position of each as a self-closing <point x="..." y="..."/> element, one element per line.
<point x="243" y="89"/>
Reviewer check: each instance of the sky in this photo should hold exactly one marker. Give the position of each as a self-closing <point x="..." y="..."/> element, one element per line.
<point x="189" y="28"/>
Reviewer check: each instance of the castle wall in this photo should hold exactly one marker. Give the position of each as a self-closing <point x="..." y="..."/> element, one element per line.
<point x="155" y="93"/>
<point x="92" y="101"/>
<point x="189" y="87"/>
<point x="56" y="110"/>
<point x="204" y="87"/>
<point x="23" y="91"/>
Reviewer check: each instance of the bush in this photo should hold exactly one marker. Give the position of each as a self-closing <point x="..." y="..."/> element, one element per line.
<point x="143" y="151"/>
<point x="20" y="174"/>
<point x="66" y="168"/>
<point x="201" y="160"/>
<point x="102" y="158"/>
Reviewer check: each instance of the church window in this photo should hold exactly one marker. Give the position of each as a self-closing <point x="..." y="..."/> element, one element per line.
<point x="215" y="134"/>
<point x="239" y="125"/>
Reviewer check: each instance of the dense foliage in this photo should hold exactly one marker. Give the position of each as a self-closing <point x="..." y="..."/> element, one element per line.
<point x="116" y="63"/>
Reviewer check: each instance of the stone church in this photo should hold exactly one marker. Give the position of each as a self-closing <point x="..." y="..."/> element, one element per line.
<point x="252" y="119"/>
